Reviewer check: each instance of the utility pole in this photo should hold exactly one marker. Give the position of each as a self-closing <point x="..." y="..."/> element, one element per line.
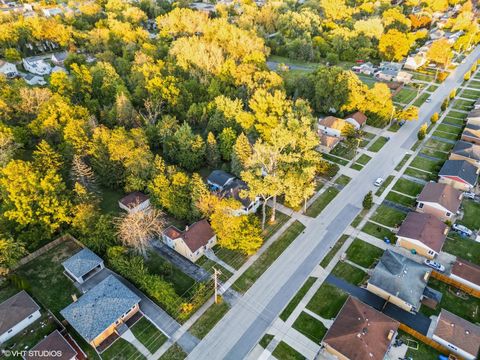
<point x="215" y="280"/>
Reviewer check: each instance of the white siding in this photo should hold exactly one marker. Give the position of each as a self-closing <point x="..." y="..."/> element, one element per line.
<point x="453" y="348"/>
<point x="19" y="327"/>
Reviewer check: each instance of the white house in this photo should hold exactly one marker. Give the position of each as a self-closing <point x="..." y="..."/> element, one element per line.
<point x="331" y="126"/>
<point x="135" y="201"/>
<point x="16" y="313"/>
<point x="413" y="62"/>
<point x="366" y="68"/>
<point x="58" y="58"/>
<point x="83" y="265"/>
<point x="357" y="119"/>
<point x="52" y="12"/>
<point x="36" y="66"/>
<point x="8" y="69"/>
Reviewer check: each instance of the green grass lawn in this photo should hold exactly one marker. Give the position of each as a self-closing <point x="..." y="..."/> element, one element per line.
<point x="400" y="199"/>
<point x="439" y="145"/>
<point x="401" y="163"/>
<point x="378" y="144"/>
<point x="426" y="164"/>
<point x="440" y="155"/>
<point x="407" y="187"/>
<point x="474" y="84"/>
<point x="357" y="167"/>
<point x="467" y="309"/>
<point x="445" y="135"/>
<point x="148" y="334"/>
<point x="297" y="298"/>
<point x="327" y="301"/>
<point x="450" y="129"/>
<point x="175" y="352"/>
<point x="388" y="216"/>
<point x="343" y="151"/>
<point x="432" y="88"/>
<point x="363" y="254"/>
<point x="421" y="99"/>
<point x="378" y="231"/>
<point x="456" y="115"/>
<point x="265" y="340"/>
<point x="349" y="273"/>
<point x="283" y="351"/>
<point x="270" y="228"/>
<point x="422" y="77"/>
<point x="326" y="260"/>
<point x="343" y="180"/>
<point x="209" y="319"/>
<point x="208" y="265"/>
<point x="334" y="159"/>
<point x="420" y="174"/>
<point x="321" y="202"/>
<point x="471" y="217"/>
<point x="405" y="95"/>
<point x="363" y="159"/>
<point x="454" y="121"/>
<point x="248" y="278"/>
<point x="234" y="258"/>
<point x="424" y="351"/>
<point x="470" y="94"/>
<point x="464" y="248"/>
<point x="394" y="127"/>
<point x="310" y="327"/>
<point x="122" y="350"/>
<point x="7" y="290"/>
<point x="109" y="202"/>
<point x="465" y="105"/>
<point x="382" y="187"/>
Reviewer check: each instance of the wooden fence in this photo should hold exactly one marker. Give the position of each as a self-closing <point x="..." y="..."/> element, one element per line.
<point x="448" y="280"/>
<point x="425" y="339"/>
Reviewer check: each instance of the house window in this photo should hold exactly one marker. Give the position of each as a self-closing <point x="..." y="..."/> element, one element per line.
<point x="431" y="252"/>
<point x="452" y="347"/>
<point x="30" y="316"/>
<point x="9" y="331"/>
<point x="420" y="205"/>
<point x="448" y="214"/>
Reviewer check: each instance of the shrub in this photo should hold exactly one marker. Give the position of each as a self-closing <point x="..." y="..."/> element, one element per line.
<point x="434" y="118"/>
<point x="422" y="132"/>
<point x="453" y="93"/>
<point x="332" y="58"/>
<point x="467" y="75"/>
<point x="368" y="201"/>
<point x="445" y="104"/>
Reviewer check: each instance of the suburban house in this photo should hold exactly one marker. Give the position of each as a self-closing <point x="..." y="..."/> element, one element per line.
<point x="135" y="201"/>
<point x="423" y="234"/>
<point x="54" y="342"/>
<point x="58" y="58"/>
<point x="327" y="142"/>
<point x="51" y="12"/>
<point x="97" y="314"/>
<point x="219" y="179"/>
<point x="466" y="273"/>
<point x="457" y="334"/>
<point x="16" y="313"/>
<point x="440" y="200"/>
<point x="459" y="173"/>
<point x="471" y="133"/>
<point x="360" y="332"/>
<point x="357" y="119"/>
<point x="466" y="151"/>
<point x="473" y="116"/>
<point x="36" y="66"/>
<point x="193" y="241"/>
<point x="8" y="69"/>
<point x="366" y="68"/>
<point x="436" y="34"/>
<point x="34" y="80"/>
<point x="234" y="190"/>
<point x="416" y="61"/>
<point x="399" y="280"/>
<point x="83" y="265"/>
<point x="391" y="71"/>
<point x="331" y="126"/>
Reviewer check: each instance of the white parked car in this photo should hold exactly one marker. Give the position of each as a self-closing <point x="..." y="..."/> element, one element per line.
<point x="469" y="195"/>
<point x="462" y="229"/>
<point x="379" y="181"/>
<point x="434" y="265"/>
<point x="428" y="100"/>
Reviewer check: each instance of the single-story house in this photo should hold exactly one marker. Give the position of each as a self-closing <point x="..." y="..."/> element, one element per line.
<point x="83" y="265"/>
<point x="8" y="69"/>
<point x="416" y="61"/>
<point x="327" y="142"/>
<point x="366" y="68"/>
<point x="97" y="314"/>
<point x="360" y="332"/>
<point x="58" y="58"/>
<point x="440" y="200"/>
<point x="36" y="66"/>
<point x="388" y="71"/>
<point x="404" y="77"/>
<point x="34" y="80"/>
<point x="459" y="173"/>
<point x="471" y="133"/>
<point x="135" y="201"/>
<point x="473" y="116"/>
<point x="53" y="343"/>
<point x="57" y="68"/>
<point x="357" y="119"/>
<point x="466" y="151"/>
<point x="466" y="273"/>
<point x="219" y="179"/>
<point x="203" y="7"/>
<point x="193" y="241"/>
<point x="234" y="190"/>
<point x="332" y="126"/>
<point x="16" y="313"/>
<point x="423" y="233"/>
<point x="457" y="334"/>
<point x="399" y="280"/>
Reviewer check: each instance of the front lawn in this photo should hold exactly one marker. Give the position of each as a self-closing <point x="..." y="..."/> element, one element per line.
<point x="363" y="159"/>
<point x="334" y="159"/>
<point x="266" y="339"/>
<point x="208" y="265"/>
<point x="297" y="298"/>
<point x="449" y="129"/>
<point x="401" y="163"/>
<point x="421" y="99"/>
<point x="148" y="334"/>
<point x="109" y="201"/>
<point x="236" y="258"/>
<point x="464" y="248"/>
<point x="465" y="105"/>
<point x="408" y="187"/>
<point x="321" y="202"/>
<point x="283" y="351"/>
<point x="426" y="164"/>
<point x="271" y="228"/>
<point x="382" y="187"/>
<point x="326" y="260"/>
<point x="400" y="199"/>
<point x="356" y="166"/>
<point x="378" y="144"/>
<point x="445" y="135"/>
<point x="209" y="319"/>
<point x="470" y="94"/>
<point x="379" y="232"/>
<point x="344" y="151"/>
<point x="454" y="121"/>
<point x="440" y="155"/>
<point x="432" y="88"/>
<point x="456" y="114"/>
<point x="174" y="352"/>
<point x="420" y="174"/>
<point x="388" y="216"/>
<point x="343" y="180"/>
<point x="327" y="301"/>
<point x="122" y="350"/>
<point x="405" y="96"/>
<point x="363" y="254"/>
<point x="310" y="327"/>
<point x="349" y="273"/>
<point x="474" y="84"/>
<point x="439" y="145"/>
<point x="249" y="277"/>
<point x="471" y="217"/>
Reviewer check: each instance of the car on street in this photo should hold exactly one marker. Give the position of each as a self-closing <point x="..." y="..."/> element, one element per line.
<point x="462" y="229"/>
<point x="428" y="100"/>
<point x="469" y="195"/>
<point x="434" y="265"/>
<point x="379" y="181"/>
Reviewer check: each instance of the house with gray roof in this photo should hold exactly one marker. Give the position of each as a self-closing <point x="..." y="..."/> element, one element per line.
<point x="399" y="280"/>
<point x="458" y="173"/>
<point x="219" y="179"/>
<point x="101" y="311"/>
<point x="466" y="151"/>
<point x="83" y="265"/>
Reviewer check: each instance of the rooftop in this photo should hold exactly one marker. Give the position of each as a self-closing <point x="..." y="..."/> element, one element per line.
<point x="219" y="177"/>
<point x="134" y="199"/>
<point x="82" y="262"/>
<point x="234" y="190"/>
<point x="445" y="195"/>
<point x="466" y="270"/>
<point x="359" y="117"/>
<point x="467" y="150"/>
<point x="332" y="122"/>
<point x="195" y="236"/>
<point x="460" y="168"/>
<point x="53" y="342"/>
<point x="425" y="228"/>
<point x="15" y="309"/>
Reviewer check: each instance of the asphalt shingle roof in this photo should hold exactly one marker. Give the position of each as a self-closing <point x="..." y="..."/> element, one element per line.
<point x="15" y="309"/>
<point x="219" y="177"/>
<point x="467" y="150"/>
<point x="99" y="308"/>
<point x="460" y="168"/>
<point x="82" y="262"/>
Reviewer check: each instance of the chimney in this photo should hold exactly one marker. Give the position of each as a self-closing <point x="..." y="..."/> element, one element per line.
<point x="426" y="276"/>
<point x="74" y="297"/>
<point x="186" y="228"/>
<point x="390" y="335"/>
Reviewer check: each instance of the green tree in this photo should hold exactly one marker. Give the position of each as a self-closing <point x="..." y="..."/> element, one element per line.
<point x="242" y="150"/>
<point x="422" y="132"/>
<point x="185" y="148"/>
<point x="368" y="201"/>
<point x="10" y="252"/>
<point x="226" y="141"/>
<point x="8" y="146"/>
<point x="212" y="154"/>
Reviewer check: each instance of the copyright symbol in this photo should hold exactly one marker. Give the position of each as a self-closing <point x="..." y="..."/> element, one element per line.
<point x="6" y="352"/>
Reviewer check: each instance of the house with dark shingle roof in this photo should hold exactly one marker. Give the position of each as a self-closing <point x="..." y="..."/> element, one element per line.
<point x="235" y="190"/>
<point x="422" y="233"/>
<point x="97" y="314"/>
<point x="16" y="313"/>
<point x="219" y="179"/>
<point x="360" y="332"/>
<point x="473" y="117"/>
<point x="471" y="133"/>
<point x="466" y="273"/>
<point x="53" y="343"/>
<point x="440" y="200"/>
<point x="135" y="201"/>
<point x="459" y="173"/>
<point x="83" y="265"/>
<point x="457" y="334"/>
<point x="466" y="151"/>
<point x="193" y="241"/>
<point x="399" y="280"/>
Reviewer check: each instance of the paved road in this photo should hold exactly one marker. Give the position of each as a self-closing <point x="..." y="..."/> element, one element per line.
<point x="243" y="326"/>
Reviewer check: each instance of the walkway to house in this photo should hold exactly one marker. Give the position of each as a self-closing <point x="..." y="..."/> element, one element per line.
<point x="128" y="336"/>
<point x="211" y="255"/>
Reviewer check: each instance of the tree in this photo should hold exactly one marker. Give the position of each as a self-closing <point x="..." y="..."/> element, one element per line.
<point x="394" y="45"/>
<point x="226" y="141"/>
<point x="368" y="201"/>
<point x="83" y="174"/>
<point x="452" y="94"/>
<point x="440" y="52"/>
<point x="434" y="118"/>
<point x="212" y="154"/>
<point x="10" y="252"/>
<point x="8" y="146"/>
<point x="242" y="150"/>
<point x="409" y="114"/>
<point x="467" y="75"/>
<point x="422" y="132"/>
<point x="185" y="148"/>
<point x="137" y="229"/>
<point x="445" y="104"/>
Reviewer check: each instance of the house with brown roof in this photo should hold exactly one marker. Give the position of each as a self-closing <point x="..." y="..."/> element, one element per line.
<point x="466" y="273"/>
<point x="54" y="343"/>
<point x="357" y="119"/>
<point x="193" y="241"/>
<point x="471" y="133"/>
<point x="457" y="334"/>
<point x="135" y="201"/>
<point x="332" y="126"/>
<point x="423" y="234"/>
<point x="327" y="142"/>
<point x="16" y="313"/>
<point x="360" y="332"/>
<point x="440" y="200"/>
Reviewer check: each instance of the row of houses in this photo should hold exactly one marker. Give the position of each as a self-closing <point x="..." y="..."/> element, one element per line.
<point x="386" y="71"/>
<point x="330" y="129"/>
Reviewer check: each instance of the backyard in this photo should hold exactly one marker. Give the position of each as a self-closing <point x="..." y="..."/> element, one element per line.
<point x="471" y="217"/>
